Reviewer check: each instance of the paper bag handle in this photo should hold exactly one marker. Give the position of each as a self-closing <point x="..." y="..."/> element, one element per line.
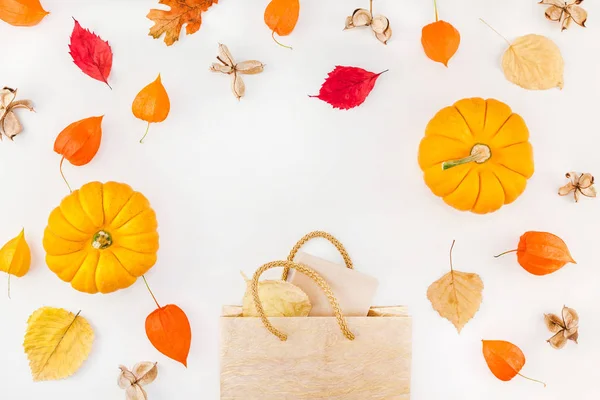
<point x="311" y="274"/>
<point x="313" y="235"/>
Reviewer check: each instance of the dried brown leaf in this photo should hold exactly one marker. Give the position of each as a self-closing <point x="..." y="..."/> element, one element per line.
<point x="278" y="299"/>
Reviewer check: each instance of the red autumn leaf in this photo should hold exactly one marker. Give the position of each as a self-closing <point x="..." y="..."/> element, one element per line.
<point x="90" y="53"/>
<point x="347" y="87"/>
<point x="168" y="329"/>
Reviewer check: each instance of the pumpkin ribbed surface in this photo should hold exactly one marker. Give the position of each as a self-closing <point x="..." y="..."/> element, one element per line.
<point x="476" y="155"/>
<point x="102" y="237"/>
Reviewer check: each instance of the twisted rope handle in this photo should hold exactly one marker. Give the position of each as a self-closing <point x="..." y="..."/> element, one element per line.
<point x="311" y="274"/>
<point x="317" y="234"/>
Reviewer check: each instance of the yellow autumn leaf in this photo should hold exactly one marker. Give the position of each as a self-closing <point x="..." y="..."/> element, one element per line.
<point x="534" y="62"/>
<point x="456" y="296"/>
<point x="15" y="257"/>
<point x="278" y="298"/>
<point x="57" y="342"/>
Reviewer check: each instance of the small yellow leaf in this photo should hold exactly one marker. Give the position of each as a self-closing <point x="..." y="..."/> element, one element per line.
<point x="57" y="342"/>
<point x="278" y="298"/>
<point x="15" y="257"/>
<point x="456" y="296"/>
<point x="534" y="62"/>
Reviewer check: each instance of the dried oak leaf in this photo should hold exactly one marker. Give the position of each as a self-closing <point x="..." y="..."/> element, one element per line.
<point x="456" y="296"/>
<point x="143" y="373"/>
<point x="379" y="24"/>
<point x="230" y="67"/>
<point x="182" y="12"/>
<point x="9" y="123"/>
<point x="565" y="11"/>
<point x="564" y="327"/>
<point x="583" y="184"/>
<point x="278" y="298"/>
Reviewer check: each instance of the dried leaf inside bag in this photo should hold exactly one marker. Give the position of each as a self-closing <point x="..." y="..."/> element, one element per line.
<point x="278" y="298"/>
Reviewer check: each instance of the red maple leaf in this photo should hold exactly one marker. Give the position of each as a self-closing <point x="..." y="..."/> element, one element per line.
<point x="90" y="53"/>
<point x="347" y="87"/>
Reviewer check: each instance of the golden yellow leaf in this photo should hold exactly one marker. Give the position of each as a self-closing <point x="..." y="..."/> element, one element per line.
<point x="534" y="62"/>
<point x="278" y="298"/>
<point x="57" y="342"/>
<point x="456" y="296"/>
<point x="15" y="257"/>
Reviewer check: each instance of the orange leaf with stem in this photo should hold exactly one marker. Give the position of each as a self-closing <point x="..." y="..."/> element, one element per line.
<point x="151" y="104"/>
<point x="168" y="329"/>
<point x="440" y="39"/>
<point x="22" y="12"/>
<point x="541" y="253"/>
<point x="15" y="257"/>
<point x="79" y="142"/>
<point x="504" y="359"/>
<point x="281" y="17"/>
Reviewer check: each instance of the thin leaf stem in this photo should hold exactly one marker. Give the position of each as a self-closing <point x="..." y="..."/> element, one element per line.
<point x="149" y="290"/>
<point x="497" y="33"/>
<point x="371" y="7"/>
<point x="8" y="272"/>
<point x="143" y="137"/>
<point x="63" y="175"/>
<point x="279" y="43"/>
<point x="451" y="248"/>
<point x="531" y="379"/>
<point x="506" y="252"/>
<point x="437" y="17"/>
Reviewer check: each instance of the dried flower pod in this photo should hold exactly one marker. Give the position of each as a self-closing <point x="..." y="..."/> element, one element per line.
<point x="564" y="327"/>
<point x="132" y="381"/>
<point x="228" y="66"/>
<point x="565" y="11"/>
<point x="278" y="298"/>
<point x="9" y="123"/>
<point x="379" y="24"/>
<point x="583" y="184"/>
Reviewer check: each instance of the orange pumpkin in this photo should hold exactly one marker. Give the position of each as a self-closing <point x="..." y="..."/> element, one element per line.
<point x="476" y="155"/>
<point x="102" y="237"/>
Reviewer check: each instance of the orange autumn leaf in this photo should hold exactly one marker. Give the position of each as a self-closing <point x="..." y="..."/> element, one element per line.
<point x="79" y="142"/>
<point x="440" y="40"/>
<point x="182" y="12"/>
<point x="504" y="359"/>
<point x="22" y="12"/>
<point x="541" y="253"/>
<point x="151" y="104"/>
<point x="281" y="17"/>
<point x="168" y="329"/>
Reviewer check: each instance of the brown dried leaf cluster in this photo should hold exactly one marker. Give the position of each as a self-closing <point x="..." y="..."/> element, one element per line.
<point x="565" y="11"/>
<point x="143" y="373"/>
<point x="583" y="184"/>
<point x="9" y="123"/>
<point x="229" y="66"/>
<point x="379" y="24"/>
<point x="564" y="327"/>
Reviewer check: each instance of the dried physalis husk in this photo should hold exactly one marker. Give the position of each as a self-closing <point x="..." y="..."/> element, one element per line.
<point x="278" y="298"/>
<point x="579" y="183"/>
<point x="9" y="123"/>
<point x="228" y="66"/>
<point x="565" y="11"/>
<point x="142" y="374"/>
<point x="564" y="327"/>
<point x="379" y="24"/>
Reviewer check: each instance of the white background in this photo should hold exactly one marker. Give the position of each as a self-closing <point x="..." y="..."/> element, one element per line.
<point x="235" y="184"/>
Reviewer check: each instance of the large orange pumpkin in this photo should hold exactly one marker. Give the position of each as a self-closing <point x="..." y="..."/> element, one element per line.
<point x="476" y="155"/>
<point x="102" y="237"/>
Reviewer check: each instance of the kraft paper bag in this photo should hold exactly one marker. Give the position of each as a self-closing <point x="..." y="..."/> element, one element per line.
<point x="307" y="358"/>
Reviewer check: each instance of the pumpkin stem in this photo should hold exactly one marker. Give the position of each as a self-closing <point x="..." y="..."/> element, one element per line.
<point x="506" y="252"/>
<point x="531" y="379"/>
<point x="63" y="175"/>
<point x="151" y="294"/>
<point x="480" y="153"/>
<point x="281" y="44"/>
<point x="497" y="33"/>
<point x="437" y="17"/>
<point x="143" y="137"/>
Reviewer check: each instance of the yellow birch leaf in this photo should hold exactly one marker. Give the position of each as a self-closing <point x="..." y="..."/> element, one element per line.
<point x="15" y="257"/>
<point x="278" y="298"/>
<point x="534" y="62"/>
<point x="456" y="296"/>
<point x="57" y="342"/>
